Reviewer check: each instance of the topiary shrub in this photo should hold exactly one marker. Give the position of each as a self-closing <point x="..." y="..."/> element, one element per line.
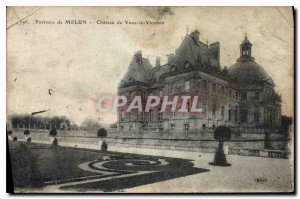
<point x="28" y="140"/>
<point x="104" y="146"/>
<point x="54" y="142"/>
<point x="102" y="133"/>
<point x="15" y="139"/>
<point x="53" y="132"/>
<point x="9" y="132"/>
<point x="221" y="134"/>
<point x="26" y="132"/>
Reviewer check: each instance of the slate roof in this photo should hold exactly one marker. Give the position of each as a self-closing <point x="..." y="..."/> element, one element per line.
<point x="138" y="71"/>
<point x="191" y="51"/>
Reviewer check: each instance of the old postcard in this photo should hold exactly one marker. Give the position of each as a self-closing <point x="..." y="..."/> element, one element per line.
<point x="150" y="99"/>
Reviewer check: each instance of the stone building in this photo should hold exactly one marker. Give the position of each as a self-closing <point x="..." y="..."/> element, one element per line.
<point x="242" y="95"/>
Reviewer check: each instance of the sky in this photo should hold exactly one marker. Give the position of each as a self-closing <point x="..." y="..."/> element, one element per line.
<point x="80" y="63"/>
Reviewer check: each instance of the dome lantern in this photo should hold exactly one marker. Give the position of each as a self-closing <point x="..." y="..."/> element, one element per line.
<point x="245" y="48"/>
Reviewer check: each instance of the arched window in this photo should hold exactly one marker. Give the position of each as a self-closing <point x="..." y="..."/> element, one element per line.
<point x="187" y="65"/>
<point x="172" y="68"/>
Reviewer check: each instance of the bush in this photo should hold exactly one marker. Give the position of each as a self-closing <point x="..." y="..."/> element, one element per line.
<point x="222" y="133"/>
<point x="54" y="142"/>
<point x="104" y="146"/>
<point x="15" y="139"/>
<point x="28" y="140"/>
<point x="53" y="132"/>
<point x="102" y="133"/>
<point x="26" y="132"/>
<point x="9" y="132"/>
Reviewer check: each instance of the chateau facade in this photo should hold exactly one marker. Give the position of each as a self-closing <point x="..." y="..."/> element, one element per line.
<point x="242" y="95"/>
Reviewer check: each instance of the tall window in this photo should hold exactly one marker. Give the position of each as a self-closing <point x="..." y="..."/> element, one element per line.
<point x="256" y="115"/>
<point x="143" y="116"/>
<point x="122" y="115"/>
<point x="244" y="115"/>
<point x="222" y="112"/>
<point x="173" y="114"/>
<point x="151" y="115"/>
<point x="214" y="87"/>
<point x="214" y="110"/>
<point x="223" y="90"/>
<point x="160" y="116"/>
<point x="256" y="97"/>
<point x="229" y="115"/>
<point x="230" y="93"/>
<point x="204" y="84"/>
<point x="186" y="127"/>
<point x="244" y="96"/>
<point x="172" y="126"/>
<point x="235" y="115"/>
<point x="160" y="93"/>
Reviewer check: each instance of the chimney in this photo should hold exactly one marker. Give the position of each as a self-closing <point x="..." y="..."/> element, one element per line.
<point x="157" y="62"/>
<point x="215" y="49"/>
<point x="170" y="58"/>
<point x="139" y="56"/>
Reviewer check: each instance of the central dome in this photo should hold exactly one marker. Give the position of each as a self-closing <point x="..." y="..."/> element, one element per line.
<point x="248" y="72"/>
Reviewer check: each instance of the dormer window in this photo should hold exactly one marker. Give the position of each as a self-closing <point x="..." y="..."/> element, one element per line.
<point x="172" y="68"/>
<point x="187" y="65"/>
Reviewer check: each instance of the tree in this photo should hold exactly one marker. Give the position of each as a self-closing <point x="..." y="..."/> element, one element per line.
<point x="102" y="133"/>
<point x="90" y="124"/>
<point x="104" y="146"/>
<point x="221" y="134"/>
<point x="113" y="125"/>
<point x="9" y="132"/>
<point x="286" y="122"/>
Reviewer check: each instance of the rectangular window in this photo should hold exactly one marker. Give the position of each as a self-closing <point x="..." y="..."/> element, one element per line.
<point x="229" y="115"/>
<point x="143" y="116"/>
<point x="172" y="126"/>
<point x="244" y="96"/>
<point x="160" y="116"/>
<point x="236" y="115"/>
<point x="186" y="127"/>
<point x="151" y="115"/>
<point x="214" y="88"/>
<point x="223" y="90"/>
<point x="222" y="112"/>
<point x="214" y="110"/>
<point x="160" y="93"/>
<point x="244" y="115"/>
<point x="256" y="115"/>
<point x="256" y="96"/>
<point x="130" y="127"/>
<point x="230" y="93"/>
<point x="173" y="114"/>
<point x="122" y="115"/>
<point x="236" y="95"/>
<point x="204" y="82"/>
